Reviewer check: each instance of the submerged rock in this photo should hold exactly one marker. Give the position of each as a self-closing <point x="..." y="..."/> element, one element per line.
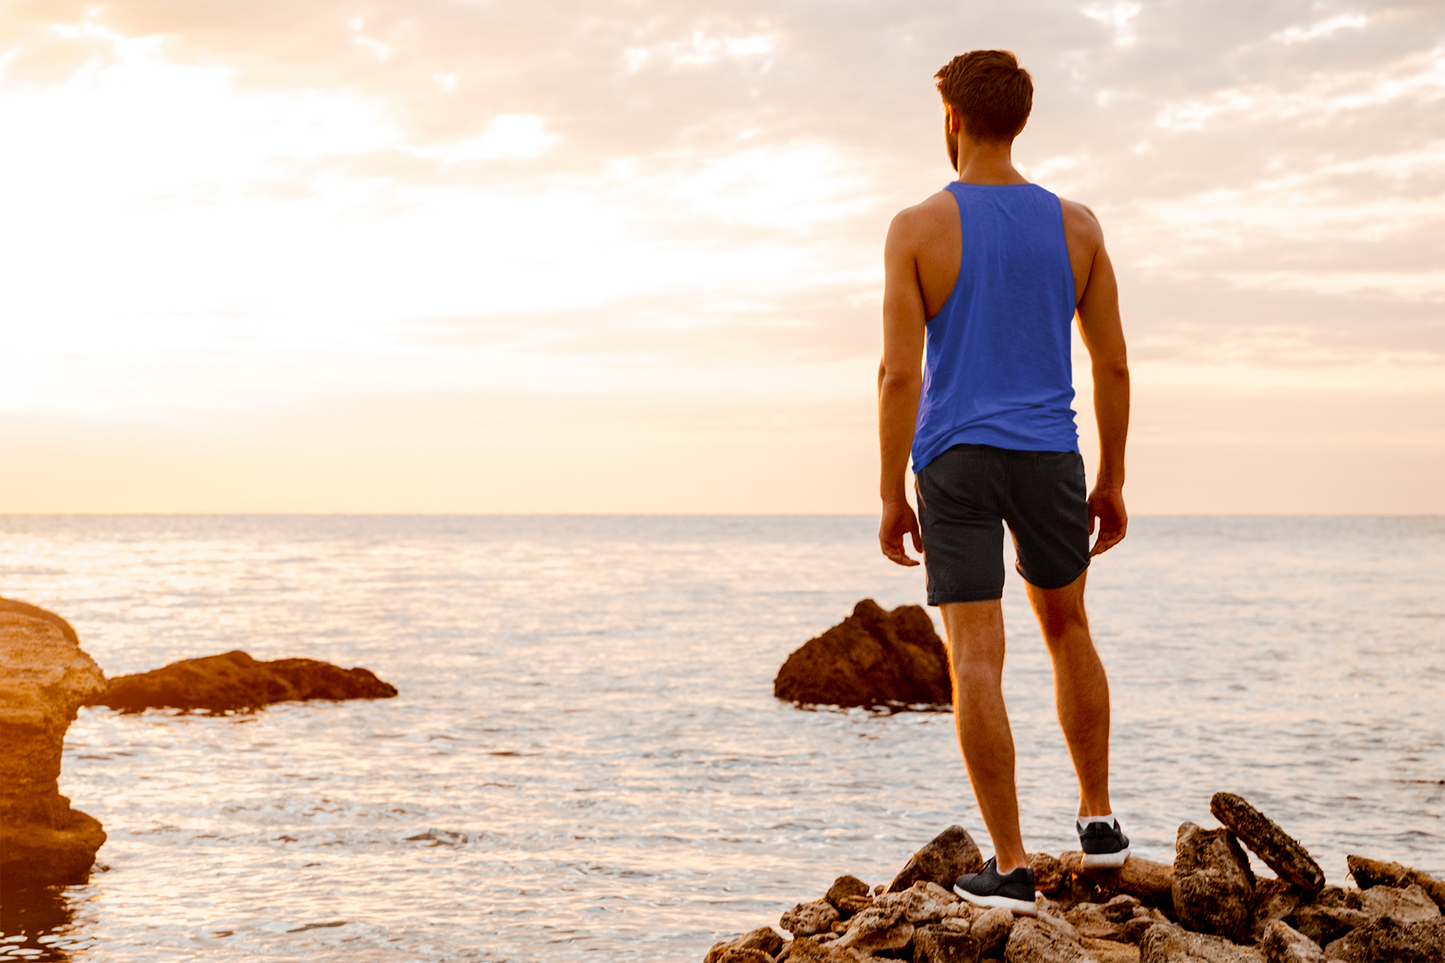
<point x="44" y="679"/>
<point x="1213" y="884"/>
<point x="871" y="658"/>
<point x="235" y="681"/>
<point x="1280" y="851"/>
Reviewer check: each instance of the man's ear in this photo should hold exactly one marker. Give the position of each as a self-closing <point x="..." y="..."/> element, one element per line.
<point x="954" y="118"/>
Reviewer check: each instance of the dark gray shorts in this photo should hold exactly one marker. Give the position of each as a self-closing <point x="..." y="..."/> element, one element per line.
<point x="968" y="492"/>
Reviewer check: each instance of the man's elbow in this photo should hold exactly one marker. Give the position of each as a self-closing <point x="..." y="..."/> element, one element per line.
<point x="1111" y="369"/>
<point x="896" y="382"/>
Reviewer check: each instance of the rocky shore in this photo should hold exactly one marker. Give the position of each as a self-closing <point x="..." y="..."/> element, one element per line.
<point x="1207" y="907"/>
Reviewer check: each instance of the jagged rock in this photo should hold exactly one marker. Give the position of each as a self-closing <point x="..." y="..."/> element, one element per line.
<point x="924" y="902"/>
<point x="1134" y="930"/>
<point x="1283" y="944"/>
<point x="843" y="887"/>
<point x="1049" y="873"/>
<point x="1325" y="924"/>
<point x="44" y="678"/>
<point x="809" y="919"/>
<point x="871" y="658"/>
<point x="763" y="940"/>
<point x="992" y="929"/>
<point x="1280" y="851"/>
<point x="1099" y="922"/>
<point x="849" y="906"/>
<point x="1045" y="939"/>
<point x="1149" y="881"/>
<point x="1213" y="884"/>
<point x="1105" y="951"/>
<point x="946" y="857"/>
<point x="235" y="681"/>
<point x="1388" y="941"/>
<point x="881" y="926"/>
<point x="1274" y="899"/>
<point x="947" y="941"/>
<point x="807" y="949"/>
<point x="1167" y="943"/>
<point x="1374" y="872"/>
<point x="1408" y="905"/>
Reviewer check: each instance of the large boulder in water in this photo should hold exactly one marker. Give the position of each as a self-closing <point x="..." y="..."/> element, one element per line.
<point x="235" y="681"/>
<point x="44" y="679"/>
<point x="871" y="658"/>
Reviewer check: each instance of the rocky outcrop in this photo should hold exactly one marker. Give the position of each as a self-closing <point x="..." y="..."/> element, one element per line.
<point x="236" y="682"/>
<point x="1280" y="851"/>
<point x="942" y="860"/>
<point x="44" y="679"/>
<point x="872" y="658"/>
<point x="1213" y="884"/>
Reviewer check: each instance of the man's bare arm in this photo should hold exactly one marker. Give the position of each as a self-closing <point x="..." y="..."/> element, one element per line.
<point x="1103" y="334"/>
<point x="900" y="381"/>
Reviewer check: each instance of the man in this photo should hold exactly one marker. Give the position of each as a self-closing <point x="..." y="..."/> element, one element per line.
<point x="989" y="274"/>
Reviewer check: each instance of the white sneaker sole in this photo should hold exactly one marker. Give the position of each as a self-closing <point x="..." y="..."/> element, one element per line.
<point x="1106" y="860"/>
<point x="1019" y="907"/>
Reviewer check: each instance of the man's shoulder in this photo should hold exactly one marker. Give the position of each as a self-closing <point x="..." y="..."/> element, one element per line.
<point x="1080" y="223"/>
<point x="923" y="220"/>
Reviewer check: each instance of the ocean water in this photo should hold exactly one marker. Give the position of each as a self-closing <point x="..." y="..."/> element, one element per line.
<point x="586" y="760"/>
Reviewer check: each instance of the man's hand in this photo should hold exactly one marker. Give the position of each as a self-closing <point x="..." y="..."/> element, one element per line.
<point x="1107" y="514"/>
<point x="899" y="520"/>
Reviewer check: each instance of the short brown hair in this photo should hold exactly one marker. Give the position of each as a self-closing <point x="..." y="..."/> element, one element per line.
<point x="992" y="92"/>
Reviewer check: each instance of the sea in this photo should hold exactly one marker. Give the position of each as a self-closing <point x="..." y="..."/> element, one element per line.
<point x="586" y="760"/>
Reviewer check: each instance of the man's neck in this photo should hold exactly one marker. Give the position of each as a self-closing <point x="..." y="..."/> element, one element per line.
<point x="988" y="163"/>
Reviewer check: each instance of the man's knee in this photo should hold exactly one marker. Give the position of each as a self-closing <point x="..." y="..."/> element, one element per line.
<point x="1061" y="612"/>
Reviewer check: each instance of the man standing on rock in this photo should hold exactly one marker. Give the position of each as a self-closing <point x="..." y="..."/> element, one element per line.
<point x="987" y="275"/>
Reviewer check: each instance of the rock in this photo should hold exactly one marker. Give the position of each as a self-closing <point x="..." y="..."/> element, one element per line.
<point x="1103" y="951"/>
<point x="843" y="887"/>
<point x="809" y="919"/>
<point x="1325" y="924"/>
<point x="1134" y="930"/>
<point x="946" y="857"/>
<point x="1283" y="944"/>
<point x="1049" y="873"/>
<point x="992" y="929"/>
<point x="44" y="679"/>
<point x="1046" y="939"/>
<point x="1274" y="899"/>
<point x="1091" y="921"/>
<point x="1280" y="851"/>
<point x="948" y="941"/>
<point x="1407" y="905"/>
<point x="1373" y="872"/>
<point x="235" y="681"/>
<point x="1388" y="941"/>
<point x="1167" y="943"/>
<point x="1149" y="881"/>
<point x="871" y="658"/>
<point x="849" y="906"/>
<point x="806" y="949"/>
<point x="764" y="940"/>
<point x="881" y="926"/>
<point x="1213" y="884"/>
<point x="925" y="901"/>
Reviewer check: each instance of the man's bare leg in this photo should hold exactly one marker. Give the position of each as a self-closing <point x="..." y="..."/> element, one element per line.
<point x="1081" y="689"/>
<point x="975" y="654"/>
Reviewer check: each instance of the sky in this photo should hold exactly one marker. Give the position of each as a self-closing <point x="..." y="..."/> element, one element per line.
<point x="626" y="256"/>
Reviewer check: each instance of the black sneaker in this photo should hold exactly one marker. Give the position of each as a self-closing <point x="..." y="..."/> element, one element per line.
<point x="1104" y="846"/>
<point x="990" y="888"/>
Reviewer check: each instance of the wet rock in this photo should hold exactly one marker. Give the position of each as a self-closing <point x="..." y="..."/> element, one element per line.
<point x="809" y="919"/>
<point x="1388" y="941"/>
<point x="764" y="940"/>
<point x="843" y="887"/>
<point x="1280" y="851"/>
<point x="992" y="929"/>
<point x="1167" y="943"/>
<point x="946" y="857"/>
<point x="808" y="949"/>
<point x="1283" y="944"/>
<point x="235" y="681"/>
<point x="1325" y="924"/>
<point x="1143" y="878"/>
<point x="1046" y="939"/>
<point x="1368" y="873"/>
<point x="1407" y="905"/>
<point x="1213" y="885"/>
<point x="881" y="926"/>
<point x="44" y="678"/>
<point x="948" y="941"/>
<point x="871" y="658"/>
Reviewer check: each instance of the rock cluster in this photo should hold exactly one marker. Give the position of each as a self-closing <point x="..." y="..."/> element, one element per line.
<point x="44" y="679"/>
<point x="871" y="658"/>
<point x="236" y="682"/>
<point x="1208" y="907"/>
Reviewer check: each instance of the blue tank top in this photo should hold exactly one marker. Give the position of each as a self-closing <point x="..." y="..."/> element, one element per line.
<point x="997" y="366"/>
